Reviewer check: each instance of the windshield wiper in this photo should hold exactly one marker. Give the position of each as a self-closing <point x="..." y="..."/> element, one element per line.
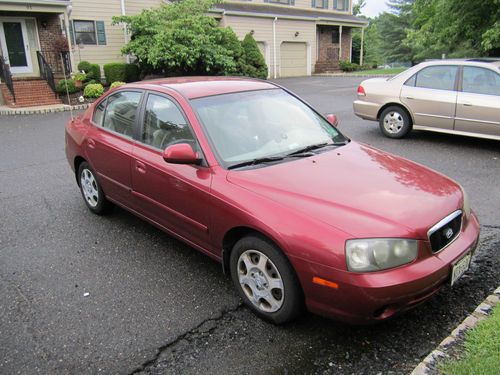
<point x="268" y="159"/>
<point x="310" y="148"/>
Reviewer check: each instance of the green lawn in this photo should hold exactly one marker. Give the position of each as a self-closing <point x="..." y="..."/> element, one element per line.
<point x="381" y="72"/>
<point x="482" y="350"/>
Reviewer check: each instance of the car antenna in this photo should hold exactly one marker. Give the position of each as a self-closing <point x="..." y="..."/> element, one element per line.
<point x="67" y="90"/>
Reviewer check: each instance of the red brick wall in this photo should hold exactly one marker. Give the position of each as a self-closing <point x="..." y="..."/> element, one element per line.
<point x="50" y="33"/>
<point x="328" y="51"/>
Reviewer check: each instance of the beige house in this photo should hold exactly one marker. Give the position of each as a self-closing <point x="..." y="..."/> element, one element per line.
<point x="296" y="37"/>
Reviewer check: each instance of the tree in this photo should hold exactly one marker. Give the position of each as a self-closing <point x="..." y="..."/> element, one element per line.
<point x="393" y="27"/>
<point x="180" y="39"/>
<point x="255" y="64"/>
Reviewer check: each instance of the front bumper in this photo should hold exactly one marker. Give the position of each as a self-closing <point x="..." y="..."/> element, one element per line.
<point x="369" y="297"/>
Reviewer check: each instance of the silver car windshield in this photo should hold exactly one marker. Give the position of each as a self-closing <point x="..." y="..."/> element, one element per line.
<point x="261" y="124"/>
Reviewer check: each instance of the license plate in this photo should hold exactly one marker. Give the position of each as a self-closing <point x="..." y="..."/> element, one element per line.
<point x="460" y="267"/>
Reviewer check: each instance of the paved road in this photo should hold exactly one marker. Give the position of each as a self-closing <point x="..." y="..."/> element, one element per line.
<point x="157" y="306"/>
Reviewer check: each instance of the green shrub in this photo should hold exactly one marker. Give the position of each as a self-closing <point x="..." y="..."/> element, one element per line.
<point x="78" y="76"/>
<point x="348" y="66"/>
<point x="131" y="73"/>
<point x="63" y="83"/>
<point x="93" y="71"/>
<point x="116" y="84"/>
<point x="115" y="72"/>
<point x="255" y="62"/>
<point x="93" y="90"/>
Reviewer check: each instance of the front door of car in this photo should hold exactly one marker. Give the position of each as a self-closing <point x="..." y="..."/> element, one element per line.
<point x="478" y="104"/>
<point x="110" y="141"/>
<point x="176" y="196"/>
<point x="431" y="96"/>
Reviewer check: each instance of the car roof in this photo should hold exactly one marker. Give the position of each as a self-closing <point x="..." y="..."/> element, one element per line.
<point x="199" y="87"/>
<point x="484" y="61"/>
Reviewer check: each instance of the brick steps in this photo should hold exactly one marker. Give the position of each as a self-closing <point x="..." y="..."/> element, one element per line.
<point x="327" y="67"/>
<point x="29" y="93"/>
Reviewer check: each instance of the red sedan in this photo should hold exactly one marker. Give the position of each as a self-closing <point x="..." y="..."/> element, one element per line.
<point x="297" y="213"/>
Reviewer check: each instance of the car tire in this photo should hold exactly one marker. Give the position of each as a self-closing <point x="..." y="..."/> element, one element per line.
<point x="395" y="122"/>
<point x="265" y="280"/>
<point x="92" y="193"/>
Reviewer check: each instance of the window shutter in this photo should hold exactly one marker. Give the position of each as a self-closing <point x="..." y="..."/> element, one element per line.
<point x="101" y="33"/>
<point x="313" y="3"/>
<point x="346" y="5"/>
<point x="71" y="33"/>
<point x="335" y="4"/>
<point x="292" y="2"/>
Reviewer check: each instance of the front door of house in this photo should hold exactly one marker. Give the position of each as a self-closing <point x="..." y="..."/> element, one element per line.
<point x="15" y="45"/>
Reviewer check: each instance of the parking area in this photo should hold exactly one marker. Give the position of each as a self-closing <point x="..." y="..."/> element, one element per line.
<point x="88" y="294"/>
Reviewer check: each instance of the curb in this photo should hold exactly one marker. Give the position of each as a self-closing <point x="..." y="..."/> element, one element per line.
<point x="429" y="364"/>
<point x="40" y="110"/>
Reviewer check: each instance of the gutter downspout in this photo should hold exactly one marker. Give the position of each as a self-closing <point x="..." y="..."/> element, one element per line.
<point x="274" y="46"/>
<point x="125" y="32"/>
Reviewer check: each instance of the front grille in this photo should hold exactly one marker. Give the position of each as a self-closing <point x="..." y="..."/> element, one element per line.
<point x="444" y="232"/>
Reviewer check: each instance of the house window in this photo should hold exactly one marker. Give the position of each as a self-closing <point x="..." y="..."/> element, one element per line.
<point x="341" y="5"/>
<point x="87" y="32"/>
<point x="320" y="4"/>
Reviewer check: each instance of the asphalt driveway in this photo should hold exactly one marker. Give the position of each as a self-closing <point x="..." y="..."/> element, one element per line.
<point x="86" y="294"/>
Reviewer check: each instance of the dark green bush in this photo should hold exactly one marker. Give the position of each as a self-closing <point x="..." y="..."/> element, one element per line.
<point x="115" y="72"/>
<point x="255" y="63"/>
<point x="93" y="71"/>
<point x="61" y="86"/>
<point x="131" y="73"/>
<point x="347" y="66"/>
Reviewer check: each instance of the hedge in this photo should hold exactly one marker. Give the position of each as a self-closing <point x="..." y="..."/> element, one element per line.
<point x="93" y="71"/>
<point x="94" y="90"/>
<point x="121" y="72"/>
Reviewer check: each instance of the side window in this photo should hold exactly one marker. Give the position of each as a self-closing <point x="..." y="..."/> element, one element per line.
<point x="121" y="111"/>
<point x="439" y="77"/>
<point x="480" y="81"/>
<point x="164" y="124"/>
<point x="411" y="81"/>
<point x="99" y="113"/>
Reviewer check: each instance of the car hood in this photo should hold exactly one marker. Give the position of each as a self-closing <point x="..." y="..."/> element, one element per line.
<point x="358" y="189"/>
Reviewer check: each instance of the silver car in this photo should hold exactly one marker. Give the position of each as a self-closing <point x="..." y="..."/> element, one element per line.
<point x="447" y="96"/>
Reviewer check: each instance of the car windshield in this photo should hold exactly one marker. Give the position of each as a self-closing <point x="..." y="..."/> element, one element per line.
<point x="255" y="125"/>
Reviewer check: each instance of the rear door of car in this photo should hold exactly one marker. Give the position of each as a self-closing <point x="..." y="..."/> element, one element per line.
<point x="176" y="196"/>
<point x="431" y="96"/>
<point x="110" y="141"/>
<point x="478" y="103"/>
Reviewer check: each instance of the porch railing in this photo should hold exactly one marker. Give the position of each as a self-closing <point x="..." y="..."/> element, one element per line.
<point x="6" y="77"/>
<point x="46" y="72"/>
<point x="53" y="58"/>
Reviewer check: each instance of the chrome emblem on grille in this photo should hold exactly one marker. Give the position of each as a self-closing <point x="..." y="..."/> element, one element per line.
<point x="448" y="233"/>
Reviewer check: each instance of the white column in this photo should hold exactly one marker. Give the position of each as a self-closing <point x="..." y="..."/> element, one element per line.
<point x="361" y="50"/>
<point x="68" y="38"/>
<point x="340" y="43"/>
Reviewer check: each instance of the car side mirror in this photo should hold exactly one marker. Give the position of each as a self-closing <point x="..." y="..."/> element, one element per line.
<point x="332" y="119"/>
<point x="181" y="153"/>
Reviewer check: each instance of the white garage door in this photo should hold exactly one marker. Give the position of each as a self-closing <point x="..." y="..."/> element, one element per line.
<point x="293" y="59"/>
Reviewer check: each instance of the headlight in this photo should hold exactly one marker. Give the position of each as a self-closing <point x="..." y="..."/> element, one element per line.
<point x="466" y="207"/>
<point x="377" y="254"/>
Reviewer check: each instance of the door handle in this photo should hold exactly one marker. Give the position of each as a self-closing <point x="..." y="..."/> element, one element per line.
<point x="467" y="104"/>
<point x="409" y="97"/>
<point x="140" y="166"/>
<point x="91" y="143"/>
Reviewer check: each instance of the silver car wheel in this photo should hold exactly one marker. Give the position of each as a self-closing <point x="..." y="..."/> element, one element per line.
<point x="393" y="122"/>
<point x="260" y="280"/>
<point x="89" y="187"/>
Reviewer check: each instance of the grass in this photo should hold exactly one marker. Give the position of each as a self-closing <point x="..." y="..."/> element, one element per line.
<point x="381" y="72"/>
<point x="482" y="350"/>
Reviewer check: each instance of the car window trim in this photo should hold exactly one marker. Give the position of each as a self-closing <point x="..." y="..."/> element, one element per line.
<point x="141" y="117"/>
<point x="101" y="127"/>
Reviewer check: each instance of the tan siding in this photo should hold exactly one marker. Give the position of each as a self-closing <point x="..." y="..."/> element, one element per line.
<point x="304" y="4"/>
<point x="136" y="6"/>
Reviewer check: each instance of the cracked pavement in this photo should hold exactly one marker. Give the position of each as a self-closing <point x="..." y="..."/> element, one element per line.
<point x="156" y="306"/>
